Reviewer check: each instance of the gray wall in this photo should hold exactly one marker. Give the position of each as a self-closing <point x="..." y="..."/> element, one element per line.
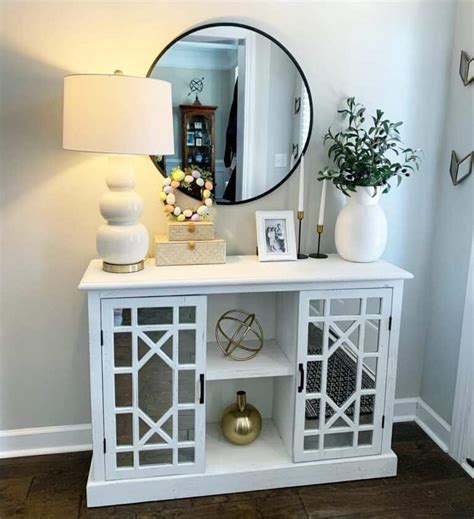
<point x="452" y="234"/>
<point x="392" y="55"/>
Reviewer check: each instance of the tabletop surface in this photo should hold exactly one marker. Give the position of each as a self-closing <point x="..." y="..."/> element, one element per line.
<point x="242" y="270"/>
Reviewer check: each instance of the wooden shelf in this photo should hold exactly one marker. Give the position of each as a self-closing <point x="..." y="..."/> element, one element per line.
<point x="266" y="452"/>
<point x="269" y="362"/>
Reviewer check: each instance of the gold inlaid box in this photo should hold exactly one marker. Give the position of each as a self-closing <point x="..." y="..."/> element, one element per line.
<point x="191" y="252"/>
<point x="185" y="231"/>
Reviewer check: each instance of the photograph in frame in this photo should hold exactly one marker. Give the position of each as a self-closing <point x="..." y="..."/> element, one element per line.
<point x="190" y="138"/>
<point x="276" y="236"/>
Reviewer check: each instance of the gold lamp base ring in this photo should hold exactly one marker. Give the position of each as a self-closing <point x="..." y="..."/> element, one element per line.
<point x="123" y="269"/>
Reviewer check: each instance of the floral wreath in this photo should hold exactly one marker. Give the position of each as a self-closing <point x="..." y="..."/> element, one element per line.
<point x="188" y="178"/>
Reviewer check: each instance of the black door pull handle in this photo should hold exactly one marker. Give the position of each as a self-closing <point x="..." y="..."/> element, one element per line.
<point x="201" y="384"/>
<point x="301" y="386"/>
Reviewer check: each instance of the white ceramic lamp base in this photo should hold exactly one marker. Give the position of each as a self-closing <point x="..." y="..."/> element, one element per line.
<point x="123" y="241"/>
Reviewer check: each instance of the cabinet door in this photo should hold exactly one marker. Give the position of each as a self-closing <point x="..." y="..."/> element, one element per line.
<point x="153" y="370"/>
<point x="342" y="362"/>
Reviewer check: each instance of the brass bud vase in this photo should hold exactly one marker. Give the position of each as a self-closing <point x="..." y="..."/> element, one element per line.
<point x="241" y="422"/>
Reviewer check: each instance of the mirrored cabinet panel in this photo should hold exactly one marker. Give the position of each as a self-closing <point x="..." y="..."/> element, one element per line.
<point x="342" y="364"/>
<point x="154" y="355"/>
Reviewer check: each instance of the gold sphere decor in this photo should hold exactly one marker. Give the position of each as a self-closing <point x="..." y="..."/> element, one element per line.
<point x="241" y="422"/>
<point x="241" y="326"/>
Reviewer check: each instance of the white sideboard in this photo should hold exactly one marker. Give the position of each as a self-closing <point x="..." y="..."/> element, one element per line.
<point x="324" y="381"/>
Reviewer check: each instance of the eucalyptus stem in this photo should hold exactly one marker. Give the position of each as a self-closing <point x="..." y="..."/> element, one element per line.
<point x="367" y="156"/>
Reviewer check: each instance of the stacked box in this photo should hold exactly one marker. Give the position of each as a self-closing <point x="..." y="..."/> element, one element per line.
<point x="186" y="231"/>
<point x="189" y="243"/>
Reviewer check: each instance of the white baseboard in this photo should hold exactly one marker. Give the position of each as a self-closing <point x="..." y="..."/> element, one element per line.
<point x="418" y="411"/>
<point x="45" y="440"/>
<point x="75" y="438"/>
<point x="434" y="426"/>
<point x="468" y="469"/>
<point x="405" y="409"/>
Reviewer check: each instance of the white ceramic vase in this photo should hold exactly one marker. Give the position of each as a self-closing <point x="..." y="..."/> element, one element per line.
<point x="361" y="227"/>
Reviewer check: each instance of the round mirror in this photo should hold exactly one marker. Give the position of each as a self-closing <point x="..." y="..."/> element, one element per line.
<point x="242" y="109"/>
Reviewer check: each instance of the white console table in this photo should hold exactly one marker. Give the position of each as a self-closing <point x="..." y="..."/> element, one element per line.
<point x="324" y="381"/>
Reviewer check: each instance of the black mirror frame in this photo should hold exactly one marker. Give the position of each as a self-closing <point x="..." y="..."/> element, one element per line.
<point x="298" y="67"/>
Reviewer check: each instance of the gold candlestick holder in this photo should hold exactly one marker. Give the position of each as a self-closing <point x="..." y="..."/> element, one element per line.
<point x="300" y="216"/>
<point x="319" y="255"/>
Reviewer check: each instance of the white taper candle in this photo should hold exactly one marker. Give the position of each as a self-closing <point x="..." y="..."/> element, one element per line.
<point x="301" y="192"/>
<point x="322" y="205"/>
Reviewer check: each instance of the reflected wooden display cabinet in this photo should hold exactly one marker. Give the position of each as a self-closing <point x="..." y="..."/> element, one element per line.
<point x="198" y="136"/>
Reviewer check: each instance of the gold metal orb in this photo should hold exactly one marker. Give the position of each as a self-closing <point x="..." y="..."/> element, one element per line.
<point x="241" y="422"/>
<point x="241" y="326"/>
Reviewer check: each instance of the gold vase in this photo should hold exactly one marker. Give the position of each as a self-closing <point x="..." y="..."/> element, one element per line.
<point x="241" y="422"/>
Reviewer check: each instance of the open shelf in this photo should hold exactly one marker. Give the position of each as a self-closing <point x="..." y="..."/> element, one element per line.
<point x="266" y="452"/>
<point x="269" y="362"/>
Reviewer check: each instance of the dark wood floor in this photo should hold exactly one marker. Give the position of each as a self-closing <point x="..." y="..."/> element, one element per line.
<point x="429" y="485"/>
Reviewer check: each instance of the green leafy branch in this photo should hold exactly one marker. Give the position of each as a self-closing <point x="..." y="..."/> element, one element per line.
<point x="367" y="157"/>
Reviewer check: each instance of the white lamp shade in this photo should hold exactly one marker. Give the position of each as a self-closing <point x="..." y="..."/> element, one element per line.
<point x="117" y="114"/>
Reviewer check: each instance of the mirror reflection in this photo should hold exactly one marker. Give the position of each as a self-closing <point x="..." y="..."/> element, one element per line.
<point x="241" y="109"/>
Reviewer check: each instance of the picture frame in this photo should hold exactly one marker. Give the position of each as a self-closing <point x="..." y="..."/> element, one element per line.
<point x="297" y="104"/>
<point x="198" y="125"/>
<point x="189" y="138"/>
<point x="199" y="141"/>
<point x="276" y="237"/>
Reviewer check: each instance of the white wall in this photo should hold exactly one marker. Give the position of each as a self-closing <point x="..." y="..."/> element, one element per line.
<point x="452" y="234"/>
<point x="258" y="102"/>
<point x="462" y="434"/>
<point x="280" y="101"/>
<point x="274" y="77"/>
<point x="392" y="55"/>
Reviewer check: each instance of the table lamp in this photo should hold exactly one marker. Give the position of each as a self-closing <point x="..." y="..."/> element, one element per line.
<point x="119" y="115"/>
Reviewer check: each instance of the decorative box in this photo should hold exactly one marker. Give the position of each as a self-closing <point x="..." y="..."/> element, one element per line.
<point x="189" y="252"/>
<point x="185" y="231"/>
